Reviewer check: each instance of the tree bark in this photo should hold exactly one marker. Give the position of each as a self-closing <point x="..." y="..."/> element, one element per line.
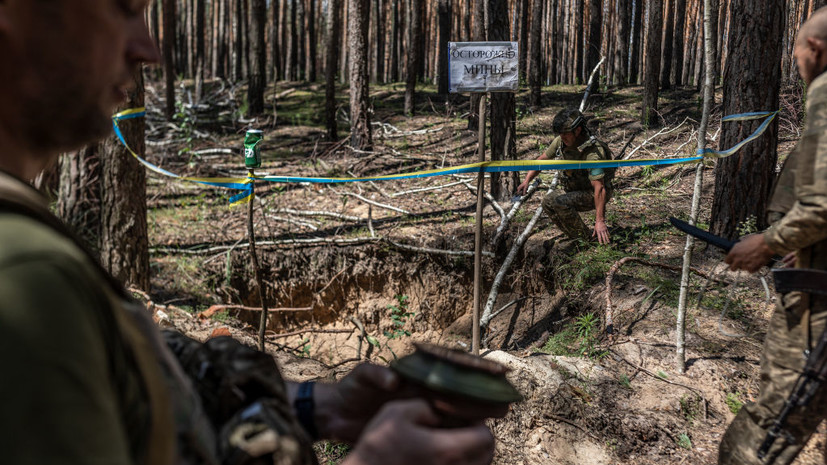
<point x="333" y="23"/>
<point x="577" y="32"/>
<point x="361" y="137"/>
<point x="637" y="40"/>
<point x="311" y="41"/>
<point x="752" y="78"/>
<point x="478" y="36"/>
<point x="169" y="63"/>
<point x="79" y="197"/>
<point x="258" y="58"/>
<point x="199" y="49"/>
<point x="621" y="64"/>
<point x="414" y="53"/>
<point x="395" y="42"/>
<point x="651" y="71"/>
<point x="535" y="59"/>
<point x="679" y="37"/>
<point x="595" y="38"/>
<point x="503" y="111"/>
<point x="666" y="57"/>
<point x="124" y="249"/>
<point x="443" y="72"/>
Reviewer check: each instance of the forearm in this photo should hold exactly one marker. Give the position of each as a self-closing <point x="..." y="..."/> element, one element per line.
<point x="804" y="225"/>
<point x="599" y="201"/>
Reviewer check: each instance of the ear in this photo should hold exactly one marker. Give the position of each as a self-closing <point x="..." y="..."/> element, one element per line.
<point x="819" y="49"/>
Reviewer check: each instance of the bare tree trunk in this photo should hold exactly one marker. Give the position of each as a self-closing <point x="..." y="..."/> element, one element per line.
<point x="395" y="41"/>
<point x="535" y="60"/>
<point x="124" y="249"/>
<point x="666" y="56"/>
<point x="677" y="42"/>
<point x="621" y="63"/>
<point x="751" y="82"/>
<point x="169" y="64"/>
<point x="380" y="41"/>
<point x="595" y="38"/>
<point x="361" y="137"/>
<point x="414" y="53"/>
<point x="637" y="40"/>
<point x="503" y="111"/>
<point x="275" y="43"/>
<point x="311" y="41"/>
<point x="652" y="65"/>
<point x="333" y="22"/>
<point x="258" y="58"/>
<point x="578" y="32"/>
<point x="479" y="36"/>
<point x="709" y="90"/>
<point x="301" y="39"/>
<point x="199" y="48"/>
<point x="79" y="197"/>
<point x="523" y="18"/>
<point x="293" y="48"/>
<point x="444" y="35"/>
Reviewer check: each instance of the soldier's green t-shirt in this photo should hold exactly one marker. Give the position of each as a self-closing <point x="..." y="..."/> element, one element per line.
<point x="60" y="400"/>
<point x="580" y="180"/>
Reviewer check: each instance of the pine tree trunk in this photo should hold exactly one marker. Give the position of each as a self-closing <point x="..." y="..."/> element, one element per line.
<point x="637" y="40"/>
<point x="258" y="58"/>
<point x="380" y="41"/>
<point x="238" y="46"/>
<point x="395" y="42"/>
<point x="751" y="83"/>
<point x="478" y="36"/>
<point x="311" y="41"/>
<point x="578" y="32"/>
<point x="333" y="23"/>
<point x="199" y="49"/>
<point x="169" y="64"/>
<point x="651" y="71"/>
<point x="275" y="44"/>
<point x="444" y="35"/>
<point x="503" y="111"/>
<point x="79" y="197"/>
<point x="293" y="49"/>
<point x="124" y="249"/>
<point x="666" y="56"/>
<point x="414" y="54"/>
<point x="595" y="38"/>
<point x="301" y="39"/>
<point x="523" y="37"/>
<point x="677" y="42"/>
<point x="361" y="137"/>
<point x="621" y="61"/>
<point x="535" y="60"/>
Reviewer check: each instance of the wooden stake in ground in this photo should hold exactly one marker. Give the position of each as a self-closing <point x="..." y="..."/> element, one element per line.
<point x="251" y="237"/>
<point x="475" y="338"/>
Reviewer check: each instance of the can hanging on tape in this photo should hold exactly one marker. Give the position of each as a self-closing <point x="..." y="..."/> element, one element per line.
<point x="252" y="154"/>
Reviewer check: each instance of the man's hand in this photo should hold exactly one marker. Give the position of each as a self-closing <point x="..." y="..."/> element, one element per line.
<point x="523" y="188"/>
<point x="750" y="254"/>
<point x="405" y="433"/>
<point x="601" y="232"/>
<point x="343" y="409"/>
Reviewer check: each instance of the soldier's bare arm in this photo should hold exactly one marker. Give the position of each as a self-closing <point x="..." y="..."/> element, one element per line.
<point x="601" y="232"/>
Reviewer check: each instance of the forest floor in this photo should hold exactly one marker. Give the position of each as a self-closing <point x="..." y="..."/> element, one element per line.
<point x="325" y="249"/>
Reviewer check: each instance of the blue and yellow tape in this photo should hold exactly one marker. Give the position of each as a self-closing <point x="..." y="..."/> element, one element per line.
<point x="246" y="186"/>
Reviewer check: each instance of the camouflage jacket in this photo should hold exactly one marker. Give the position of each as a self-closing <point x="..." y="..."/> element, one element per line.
<point x="800" y="193"/>
<point x="580" y="180"/>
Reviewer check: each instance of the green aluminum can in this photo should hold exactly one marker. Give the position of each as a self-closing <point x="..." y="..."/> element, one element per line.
<point x="252" y="155"/>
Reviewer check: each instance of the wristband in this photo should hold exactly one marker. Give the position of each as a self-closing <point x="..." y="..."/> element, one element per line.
<point x="305" y="409"/>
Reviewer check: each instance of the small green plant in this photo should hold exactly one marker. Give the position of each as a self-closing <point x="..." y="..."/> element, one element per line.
<point x="689" y="407"/>
<point x="662" y="375"/>
<point x="183" y="117"/>
<point x="222" y="317"/>
<point x="625" y="381"/>
<point x="748" y="226"/>
<point x="305" y="348"/>
<point x="733" y="401"/>
<point x="684" y="441"/>
<point x="399" y="316"/>
<point x="586" y="327"/>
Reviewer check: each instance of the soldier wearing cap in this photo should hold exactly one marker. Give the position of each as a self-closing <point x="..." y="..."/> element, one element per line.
<point x="583" y="189"/>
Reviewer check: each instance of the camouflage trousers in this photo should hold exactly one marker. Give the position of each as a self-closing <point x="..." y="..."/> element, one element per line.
<point x="562" y="208"/>
<point x="791" y="331"/>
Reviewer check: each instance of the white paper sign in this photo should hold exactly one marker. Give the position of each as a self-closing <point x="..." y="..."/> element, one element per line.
<point x="483" y="66"/>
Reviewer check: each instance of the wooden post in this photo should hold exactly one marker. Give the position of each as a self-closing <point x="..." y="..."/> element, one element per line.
<point x="475" y="339"/>
<point x="251" y="236"/>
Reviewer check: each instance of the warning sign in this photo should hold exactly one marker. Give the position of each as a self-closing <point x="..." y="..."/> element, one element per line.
<point x="483" y="66"/>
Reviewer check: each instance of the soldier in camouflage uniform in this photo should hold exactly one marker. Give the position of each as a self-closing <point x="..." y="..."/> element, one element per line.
<point x="583" y="190"/>
<point x="87" y="377"/>
<point x="798" y="212"/>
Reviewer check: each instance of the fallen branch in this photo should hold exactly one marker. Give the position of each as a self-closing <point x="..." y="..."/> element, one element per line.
<point x="310" y="330"/>
<point x="296" y="222"/>
<point x="495" y="286"/>
<point x="496" y="206"/>
<point x="224" y="248"/>
<point x="217" y="151"/>
<point x="614" y="269"/>
<point x="516" y="207"/>
<point x="589" y="86"/>
<point x="425" y="189"/>
<point x="217" y="308"/>
<point x="319" y="213"/>
<point x="411" y="248"/>
<point x="662" y="132"/>
<point x="377" y="204"/>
